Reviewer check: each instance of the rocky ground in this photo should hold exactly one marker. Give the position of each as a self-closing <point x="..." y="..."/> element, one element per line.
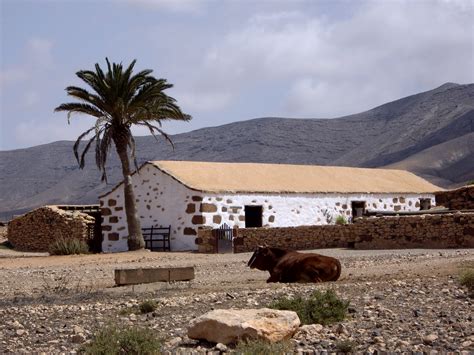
<point x="399" y="300"/>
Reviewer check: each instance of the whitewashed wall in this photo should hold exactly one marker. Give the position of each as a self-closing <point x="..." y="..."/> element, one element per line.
<point x="163" y="201"/>
<point x="305" y="209"/>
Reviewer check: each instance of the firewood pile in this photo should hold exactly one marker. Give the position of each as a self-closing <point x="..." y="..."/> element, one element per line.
<point x="38" y="229"/>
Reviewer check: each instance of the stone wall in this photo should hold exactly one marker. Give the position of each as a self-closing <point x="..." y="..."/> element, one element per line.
<point x="453" y="230"/>
<point x="36" y="230"/>
<point x="459" y="199"/>
<point x="206" y="240"/>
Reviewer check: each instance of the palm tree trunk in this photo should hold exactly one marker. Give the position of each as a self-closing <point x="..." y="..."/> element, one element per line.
<point x="135" y="237"/>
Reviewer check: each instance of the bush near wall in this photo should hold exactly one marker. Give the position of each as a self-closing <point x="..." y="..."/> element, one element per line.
<point x="38" y="229"/>
<point x="453" y="230"/>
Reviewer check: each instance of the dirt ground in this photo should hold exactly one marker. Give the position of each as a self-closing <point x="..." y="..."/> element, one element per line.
<point x="402" y="281"/>
<point x="213" y="271"/>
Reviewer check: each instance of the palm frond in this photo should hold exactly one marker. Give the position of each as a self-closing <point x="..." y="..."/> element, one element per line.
<point x="152" y="130"/>
<point x="102" y="150"/>
<point x="75" y="148"/>
<point x="79" y="108"/>
<point x="85" y="150"/>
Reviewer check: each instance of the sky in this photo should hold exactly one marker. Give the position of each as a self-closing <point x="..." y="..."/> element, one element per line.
<point x="229" y="60"/>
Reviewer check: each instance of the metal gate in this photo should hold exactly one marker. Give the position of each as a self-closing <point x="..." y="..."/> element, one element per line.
<point x="225" y="239"/>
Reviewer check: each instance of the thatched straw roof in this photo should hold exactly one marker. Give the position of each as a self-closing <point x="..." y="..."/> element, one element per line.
<point x="285" y="178"/>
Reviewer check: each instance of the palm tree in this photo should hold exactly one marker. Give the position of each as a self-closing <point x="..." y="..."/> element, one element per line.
<point x="118" y="100"/>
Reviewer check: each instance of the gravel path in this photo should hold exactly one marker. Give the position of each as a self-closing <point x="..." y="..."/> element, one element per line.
<point x="400" y="300"/>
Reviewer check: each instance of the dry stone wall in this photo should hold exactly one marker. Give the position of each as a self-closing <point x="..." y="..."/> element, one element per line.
<point x="459" y="199"/>
<point x="36" y="230"/>
<point x="454" y="230"/>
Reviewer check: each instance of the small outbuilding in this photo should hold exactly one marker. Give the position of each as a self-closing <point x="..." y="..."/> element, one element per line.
<point x="187" y="195"/>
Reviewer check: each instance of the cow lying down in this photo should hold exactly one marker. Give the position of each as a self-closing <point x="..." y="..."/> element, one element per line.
<point x="292" y="266"/>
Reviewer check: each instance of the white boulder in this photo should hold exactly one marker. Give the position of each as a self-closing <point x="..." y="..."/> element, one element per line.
<point x="230" y="325"/>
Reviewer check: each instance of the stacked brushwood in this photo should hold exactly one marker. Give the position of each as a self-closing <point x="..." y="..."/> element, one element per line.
<point x="458" y="199"/>
<point x="38" y="229"/>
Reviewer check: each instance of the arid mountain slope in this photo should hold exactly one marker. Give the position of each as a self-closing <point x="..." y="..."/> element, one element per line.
<point x="430" y="133"/>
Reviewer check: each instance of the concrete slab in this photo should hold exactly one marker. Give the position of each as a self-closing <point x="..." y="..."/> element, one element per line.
<point x="149" y="275"/>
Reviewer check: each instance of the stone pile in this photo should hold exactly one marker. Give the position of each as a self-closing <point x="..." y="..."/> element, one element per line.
<point x="459" y="199"/>
<point x="36" y="230"/>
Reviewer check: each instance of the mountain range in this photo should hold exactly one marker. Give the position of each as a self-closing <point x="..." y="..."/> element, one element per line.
<point x="430" y="134"/>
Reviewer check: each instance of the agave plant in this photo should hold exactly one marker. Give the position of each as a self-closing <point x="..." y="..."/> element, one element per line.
<point x="118" y="99"/>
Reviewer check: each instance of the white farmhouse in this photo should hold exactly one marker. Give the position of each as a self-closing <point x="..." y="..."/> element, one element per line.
<point x="187" y="195"/>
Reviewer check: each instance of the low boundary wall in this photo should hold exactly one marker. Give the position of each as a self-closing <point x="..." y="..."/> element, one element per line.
<point x="452" y="230"/>
<point x="458" y="199"/>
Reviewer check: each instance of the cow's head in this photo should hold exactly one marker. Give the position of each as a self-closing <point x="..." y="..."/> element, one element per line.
<point x="262" y="258"/>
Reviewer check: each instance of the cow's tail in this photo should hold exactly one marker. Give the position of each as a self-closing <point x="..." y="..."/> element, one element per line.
<point x="337" y="270"/>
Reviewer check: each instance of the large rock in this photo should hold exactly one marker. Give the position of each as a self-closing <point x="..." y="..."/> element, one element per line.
<point x="230" y="325"/>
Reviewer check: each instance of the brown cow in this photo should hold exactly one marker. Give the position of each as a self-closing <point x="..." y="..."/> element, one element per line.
<point x="291" y="266"/>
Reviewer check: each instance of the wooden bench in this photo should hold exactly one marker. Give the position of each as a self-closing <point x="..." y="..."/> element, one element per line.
<point x="157" y="238"/>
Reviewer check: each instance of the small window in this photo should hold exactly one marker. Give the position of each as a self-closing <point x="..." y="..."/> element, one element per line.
<point x="425" y="204"/>
<point x="253" y="216"/>
<point x="358" y="209"/>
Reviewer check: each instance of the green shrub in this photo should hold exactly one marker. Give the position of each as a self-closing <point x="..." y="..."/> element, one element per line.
<point x="127" y="311"/>
<point x="6" y="245"/>
<point x="68" y="246"/>
<point x="470" y="182"/>
<point x="262" y="347"/>
<point x="147" y="306"/>
<point x="341" y="220"/>
<point x="466" y="278"/>
<point x="321" y="308"/>
<point x="345" y="346"/>
<point x="129" y="340"/>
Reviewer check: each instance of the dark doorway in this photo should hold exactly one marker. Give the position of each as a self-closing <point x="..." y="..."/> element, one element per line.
<point x="95" y="244"/>
<point x="253" y="216"/>
<point x="425" y="204"/>
<point x="358" y="209"/>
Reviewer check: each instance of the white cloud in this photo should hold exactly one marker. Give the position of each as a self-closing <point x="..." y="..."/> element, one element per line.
<point x="170" y="5"/>
<point x="384" y="51"/>
<point x="31" y="98"/>
<point x="39" y="51"/>
<point x="38" y="55"/>
<point x="204" y="101"/>
<point x="462" y="4"/>
<point x="12" y="76"/>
